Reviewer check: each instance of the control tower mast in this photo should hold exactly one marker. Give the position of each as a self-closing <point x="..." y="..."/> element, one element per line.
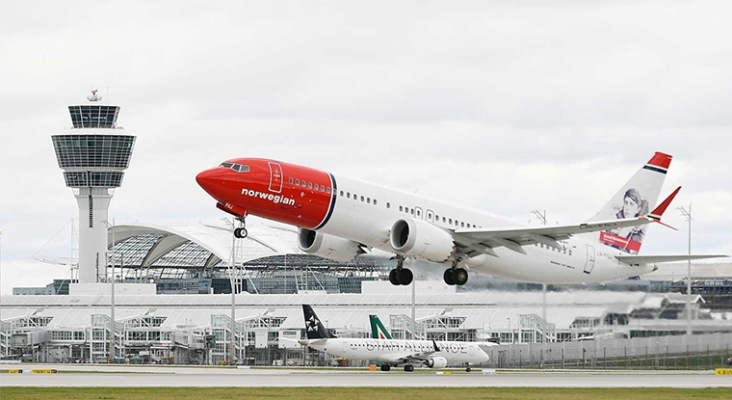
<point x="93" y="154"/>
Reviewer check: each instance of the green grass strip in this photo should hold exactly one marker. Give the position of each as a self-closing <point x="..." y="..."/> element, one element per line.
<point x="26" y="393"/>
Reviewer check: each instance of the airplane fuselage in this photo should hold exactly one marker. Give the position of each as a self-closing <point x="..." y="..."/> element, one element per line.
<point x="388" y="350"/>
<point x="365" y="213"/>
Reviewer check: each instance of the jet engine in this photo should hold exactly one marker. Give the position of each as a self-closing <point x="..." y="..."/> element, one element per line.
<point x="328" y="246"/>
<point x="436" y="362"/>
<point x="420" y="239"/>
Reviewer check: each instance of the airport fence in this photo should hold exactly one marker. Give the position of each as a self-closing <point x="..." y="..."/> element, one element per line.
<point x="660" y="352"/>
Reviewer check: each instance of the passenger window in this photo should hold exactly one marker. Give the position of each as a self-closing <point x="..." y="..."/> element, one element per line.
<point x="291" y="181"/>
<point x="341" y="193"/>
<point x="310" y="185"/>
<point x="443" y="219"/>
<point x="327" y="190"/>
<point x="450" y="221"/>
<point x="388" y="205"/>
<point x="322" y="189"/>
<point x="462" y="224"/>
<point x="570" y="252"/>
<point x="297" y="182"/>
<point x="401" y="208"/>
<point x="361" y="198"/>
<point x="368" y="200"/>
<point x="348" y="195"/>
<point x="316" y="187"/>
<point x="374" y="201"/>
<point x="411" y="211"/>
<point x="304" y="184"/>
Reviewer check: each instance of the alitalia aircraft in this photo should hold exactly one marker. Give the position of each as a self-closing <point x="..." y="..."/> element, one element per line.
<point x="341" y="218"/>
<point x="391" y="352"/>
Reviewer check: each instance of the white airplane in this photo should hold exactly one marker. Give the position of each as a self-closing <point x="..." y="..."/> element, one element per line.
<point x="391" y="352"/>
<point x="340" y="218"/>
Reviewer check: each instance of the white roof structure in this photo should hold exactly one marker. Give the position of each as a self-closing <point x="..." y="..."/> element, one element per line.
<point x="197" y="245"/>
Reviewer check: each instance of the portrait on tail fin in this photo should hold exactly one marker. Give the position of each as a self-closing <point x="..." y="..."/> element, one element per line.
<point x="628" y="239"/>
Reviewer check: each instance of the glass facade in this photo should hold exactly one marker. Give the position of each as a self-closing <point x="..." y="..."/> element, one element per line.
<point x="94" y="116"/>
<point x="93" y="179"/>
<point x="93" y="151"/>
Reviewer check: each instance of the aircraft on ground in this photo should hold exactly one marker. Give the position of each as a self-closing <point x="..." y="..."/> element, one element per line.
<point x="378" y="331"/>
<point x="341" y="218"/>
<point x="391" y="352"/>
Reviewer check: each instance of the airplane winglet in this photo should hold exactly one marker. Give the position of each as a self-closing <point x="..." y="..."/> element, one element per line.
<point x="657" y="212"/>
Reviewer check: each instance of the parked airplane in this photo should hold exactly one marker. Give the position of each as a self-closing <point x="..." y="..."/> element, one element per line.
<point x="378" y="331"/>
<point x="340" y="218"/>
<point x="391" y="352"/>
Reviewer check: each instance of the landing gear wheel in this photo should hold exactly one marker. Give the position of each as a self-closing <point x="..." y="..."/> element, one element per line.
<point x="394" y="277"/>
<point x="385" y="367"/>
<point x="449" y="276"/>
<point x="460" y="276"/>
<point x="409" y="368"/>
<point x="404" y="276"/>
<point x="468" y="369"/>
<point x="240" y="233"/>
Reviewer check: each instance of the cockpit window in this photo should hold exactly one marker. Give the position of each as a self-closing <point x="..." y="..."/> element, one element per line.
<point x="235" y="167"/>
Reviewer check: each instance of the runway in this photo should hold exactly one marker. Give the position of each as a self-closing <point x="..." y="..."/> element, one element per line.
<point x="122" y="376"/>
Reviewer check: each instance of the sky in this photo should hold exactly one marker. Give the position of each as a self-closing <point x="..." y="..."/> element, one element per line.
<point x="503" y="106"/>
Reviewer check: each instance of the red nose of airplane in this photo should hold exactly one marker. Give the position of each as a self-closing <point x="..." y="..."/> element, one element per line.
<point x="210" y="180"/>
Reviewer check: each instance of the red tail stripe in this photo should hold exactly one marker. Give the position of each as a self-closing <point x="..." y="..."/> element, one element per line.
<point x="661" y="160"/>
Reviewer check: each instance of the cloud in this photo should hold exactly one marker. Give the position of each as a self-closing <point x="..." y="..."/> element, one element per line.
<point x="500" y="106"/>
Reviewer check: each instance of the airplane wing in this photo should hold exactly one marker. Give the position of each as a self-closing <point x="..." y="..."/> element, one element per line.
<point x="515" y="237"/>
<point x="637" y="260"/>
<point x="484" y="240"/>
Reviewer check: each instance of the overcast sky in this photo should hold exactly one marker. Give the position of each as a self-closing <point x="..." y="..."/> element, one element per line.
<point x="505" y="106"/>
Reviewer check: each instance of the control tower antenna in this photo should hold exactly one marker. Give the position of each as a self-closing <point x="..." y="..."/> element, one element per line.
<point x="93" y="154"/>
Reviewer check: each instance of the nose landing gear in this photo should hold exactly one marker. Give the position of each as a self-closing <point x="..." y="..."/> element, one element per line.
<point x="241" y="232"/>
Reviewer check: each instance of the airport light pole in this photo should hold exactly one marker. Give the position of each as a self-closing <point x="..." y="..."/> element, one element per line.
<point x="112" y="344"/>
<point x="542" y="217"/>
<point x="687" y="214"/>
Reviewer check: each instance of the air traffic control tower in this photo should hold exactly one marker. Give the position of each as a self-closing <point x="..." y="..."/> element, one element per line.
<point x="94" y="155"/>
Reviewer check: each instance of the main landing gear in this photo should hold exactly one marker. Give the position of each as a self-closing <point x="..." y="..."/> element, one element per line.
<point x="400" y="275"/>
<point x="241" y="232"/>
<point x="409" y="368"/>
<point x="385" y="367"/>
<point x="455" y="276"/>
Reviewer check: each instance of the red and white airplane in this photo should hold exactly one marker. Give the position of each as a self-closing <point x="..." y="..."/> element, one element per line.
<point x="340" y="218"/>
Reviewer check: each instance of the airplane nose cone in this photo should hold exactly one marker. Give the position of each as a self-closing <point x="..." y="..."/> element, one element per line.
<point x="209" y="180"/>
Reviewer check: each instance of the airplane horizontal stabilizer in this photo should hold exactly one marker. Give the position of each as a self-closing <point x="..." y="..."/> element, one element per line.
<point x="633" y="260"/>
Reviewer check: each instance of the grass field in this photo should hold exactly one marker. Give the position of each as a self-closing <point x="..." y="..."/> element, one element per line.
<point x="358" y="393"/>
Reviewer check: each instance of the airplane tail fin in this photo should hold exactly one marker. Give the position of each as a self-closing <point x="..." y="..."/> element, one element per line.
<point x="636" y="198"/>
<point x="313" y="327"/>
<point x="378" y="331"/>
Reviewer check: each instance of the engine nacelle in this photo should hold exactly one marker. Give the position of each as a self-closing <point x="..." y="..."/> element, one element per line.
<point x="436" y="362"/>
<point x="328" y="246"/>
<point x="420" y="239"/>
